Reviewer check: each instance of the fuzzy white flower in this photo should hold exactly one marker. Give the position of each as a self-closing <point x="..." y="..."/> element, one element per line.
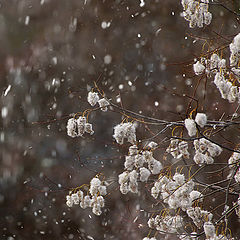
<point x="129" y="162"/>
<point x="155" y="166"/>
<point x="209" y="229"/>
<point x="69" y="201"/>
<point x="123" y="177"/>
<point x="144" y="174"/>
<point x="72" y="127"/>
<point x="81" y="121"/>
<point x="196" y="195"/>
<point x="198" y="68"/>
<point x="179" y="178"/>
<point x="93" y="98"/>
<point x="124" y="188"/>
<point x="152" y="145"/>
<point x="102" y="190"/>
<point x="133" y="150"/>
<point x="125" y="130"/>
<point x="133" y="176"/>
<point x="95" y="182"/>
<point x="89" y="129"/>
<point x="201" y="119"/>
<point x="196" y="13"/>
<point x="103" y="104"/>
<point x="139" y="160"/>
<point x="75" y="198"/>
<point x="178" y="149"/>
<point x="86" y="202"/>
<point x="214" y="150"/>
<point x="214" y="60"/>
<point x="94" y="186"/>
<point x="191" y="127"/>
<point x="96" y="209"/>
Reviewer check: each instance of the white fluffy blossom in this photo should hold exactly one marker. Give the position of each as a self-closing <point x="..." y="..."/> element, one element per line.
<point x="144" y="174"/>
<point x="167" y="223"/>
<point x="77" y="127"/>
<point x="89" y="129"/>
<point x="209" y="229"/>
<point x="93" y="98"/>
<point x="178" y="149"/>
<point x="201" y="119"/>
<point x="72" y="127"/>
<point x="125" y="130"/>
<point x="199" y="216"/>
<point x="123" y="177"/>
<point x="69" y="201"/>
<point x="81" y="122"/>
<point x="152" y="145"/>
<point x="191" y="127"/>
<point x="205" y="151"/>
<point x="139" y="165"/>
<point x="103" y="104"/>
<point x="198" y="68"/>
<point x="155" y="166"/>
<point x="196" y="195"/>
<point x="214" y="61"/>
<point x="175" y="192"/>
<point x="196" y="12"/>
<point x="133" y="150"/>
<point x="93" y="199"/>
<point x="86" y="202"/>
<point x="226" y="88"/>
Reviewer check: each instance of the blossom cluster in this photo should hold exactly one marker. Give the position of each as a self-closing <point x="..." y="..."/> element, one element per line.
<point x="125" y="130"/>
<point x="139" y="166"/>
<point x="176" y="192"/>
<point x="210" y="232"/>
<point x="178" y="149"/>
<point x="167" y="223"/>
<point x="199" y="216"/>
<point x="224" y="79"/>
<point x="208" y="66"/>
<point x="93" y="99"/>
<point x="77" y="127"/>
<point x="95" y="200"/>
<point x="205" y="151"/>
<point x="226" y="88"/>
<point x="196" y="12"/>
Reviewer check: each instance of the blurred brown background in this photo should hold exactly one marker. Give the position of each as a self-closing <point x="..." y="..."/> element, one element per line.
<point x="51" y="52"/>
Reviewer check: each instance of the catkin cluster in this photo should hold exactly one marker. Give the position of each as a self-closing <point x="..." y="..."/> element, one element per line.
<point x="139" y="165"/>
<point x="125" y="131"/>
<point x="224" y="77"/>
<point x="93" y="99"/>
<point x="93" y="198"/>
<point x="176" y="192"/>
<point x="205" y="151"/>
<point x="196" y="12"/>
<point x="77" y="127"/>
